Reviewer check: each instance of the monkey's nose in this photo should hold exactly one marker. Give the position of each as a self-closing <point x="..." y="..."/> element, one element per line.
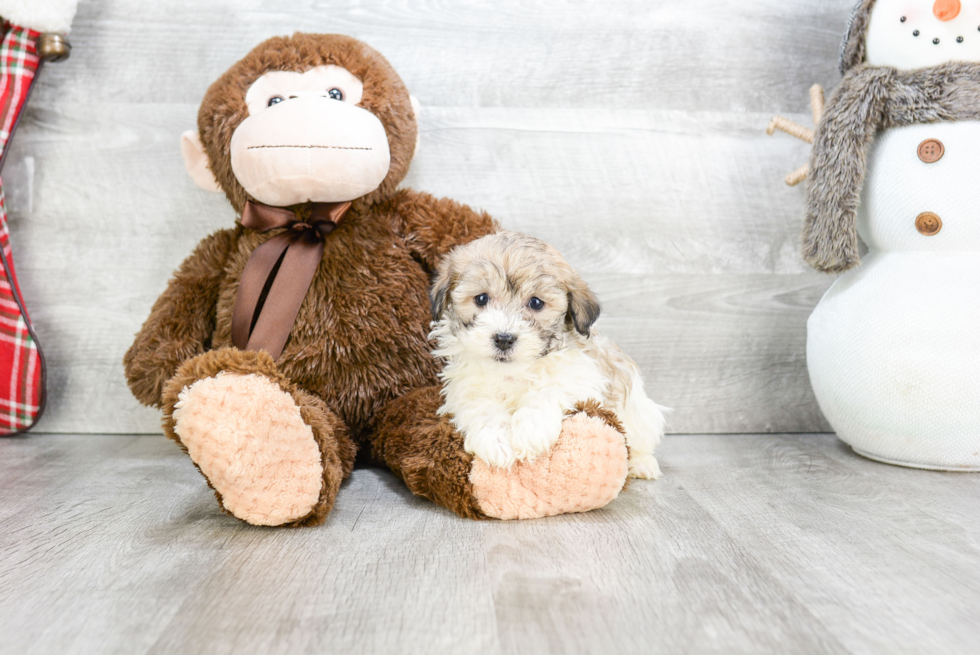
<point x="504" y="341"/>
<point x="946" y="10"/>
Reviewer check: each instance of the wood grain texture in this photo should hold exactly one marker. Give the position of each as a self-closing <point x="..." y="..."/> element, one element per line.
<point x="751" y="544"/>
<point x="630" y="134"/>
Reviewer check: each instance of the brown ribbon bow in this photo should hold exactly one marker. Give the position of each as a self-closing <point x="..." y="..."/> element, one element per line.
<point x="280" y="271"/>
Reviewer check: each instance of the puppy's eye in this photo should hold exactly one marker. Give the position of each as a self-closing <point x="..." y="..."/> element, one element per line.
<point x="335" y="94"/>
<point x="275" y="100"/>
<point x="482" y="300"/>
<point x="536" y="304"/>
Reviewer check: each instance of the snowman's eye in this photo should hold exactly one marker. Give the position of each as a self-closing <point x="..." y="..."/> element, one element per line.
<point x="335" y="94"/>
<point x="274" y="100"/>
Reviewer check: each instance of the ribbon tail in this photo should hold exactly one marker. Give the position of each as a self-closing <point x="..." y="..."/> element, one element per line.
<point x="254" y="278"/>
<point x="288" y="291"/>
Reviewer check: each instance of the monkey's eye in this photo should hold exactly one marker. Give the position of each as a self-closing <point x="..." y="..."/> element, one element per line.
<point x="482" y="300"/>
<point x="335" y="94"/>
<point x="536" y="304"/>
<point x="275" y="100"/>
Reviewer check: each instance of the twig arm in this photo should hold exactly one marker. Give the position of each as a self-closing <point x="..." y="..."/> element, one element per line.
<point x="791" y="128"/>
<point x="798" y="175"/>
<point x="817" y="102"/>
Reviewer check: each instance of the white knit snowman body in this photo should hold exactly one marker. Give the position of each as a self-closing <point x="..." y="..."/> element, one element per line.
<point x="893" y="348"/>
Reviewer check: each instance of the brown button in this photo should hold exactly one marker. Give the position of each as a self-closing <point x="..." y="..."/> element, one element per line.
<point x="931" y="150"/>
<point x="928" y="224"/>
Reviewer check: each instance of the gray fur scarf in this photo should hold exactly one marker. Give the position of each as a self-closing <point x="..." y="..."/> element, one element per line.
<point x="870" y="99"/>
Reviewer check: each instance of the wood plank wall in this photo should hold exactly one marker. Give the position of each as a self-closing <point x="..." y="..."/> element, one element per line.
<point x="627" y="133"/>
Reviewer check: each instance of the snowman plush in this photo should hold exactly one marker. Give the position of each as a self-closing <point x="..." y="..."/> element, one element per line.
<point x="893" y="348"/>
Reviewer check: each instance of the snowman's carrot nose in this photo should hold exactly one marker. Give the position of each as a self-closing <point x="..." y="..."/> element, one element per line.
<point x="946" y="9"/>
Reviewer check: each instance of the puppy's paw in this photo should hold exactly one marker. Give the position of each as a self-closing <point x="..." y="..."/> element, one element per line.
<point x="644" y="467"/>
<point x="492" y="444"/>
<point x="534" y="431"/>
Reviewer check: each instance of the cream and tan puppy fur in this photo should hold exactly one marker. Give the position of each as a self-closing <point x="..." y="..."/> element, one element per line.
<point x="513" y="323"/>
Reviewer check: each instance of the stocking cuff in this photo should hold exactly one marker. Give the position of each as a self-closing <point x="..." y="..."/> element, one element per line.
<point x="40" y="15"/>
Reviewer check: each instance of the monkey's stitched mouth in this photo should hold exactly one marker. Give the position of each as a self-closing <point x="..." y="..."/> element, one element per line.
<point x="324" y="147"/>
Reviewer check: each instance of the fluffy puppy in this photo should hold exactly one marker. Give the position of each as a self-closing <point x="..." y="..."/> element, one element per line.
<point x="513" y="325"/>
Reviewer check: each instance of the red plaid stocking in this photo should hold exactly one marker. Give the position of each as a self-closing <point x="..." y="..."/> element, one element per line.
<point x="21" y="362"/>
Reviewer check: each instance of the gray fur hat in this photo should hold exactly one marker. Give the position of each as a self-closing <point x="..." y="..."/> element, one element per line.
<point x="870" y="99"/>
<point x="852" y="47"/>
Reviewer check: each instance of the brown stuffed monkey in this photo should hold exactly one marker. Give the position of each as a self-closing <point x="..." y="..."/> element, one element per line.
<point x="285" y="343"/>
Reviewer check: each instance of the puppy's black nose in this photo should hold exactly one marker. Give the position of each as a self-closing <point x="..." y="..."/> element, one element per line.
<point x="504" y="341"/>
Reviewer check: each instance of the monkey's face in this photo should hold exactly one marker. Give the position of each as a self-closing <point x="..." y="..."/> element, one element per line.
<point x="308" y="117"/>
<point x="306" y="139"/>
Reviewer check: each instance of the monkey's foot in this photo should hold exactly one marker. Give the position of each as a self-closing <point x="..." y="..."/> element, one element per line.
<point x="585" y="470"/>
<point x="273" y="454"/>
<point x="249" y="440"/>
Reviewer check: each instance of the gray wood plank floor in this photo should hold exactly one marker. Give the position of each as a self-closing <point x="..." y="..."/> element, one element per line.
<point x="751" y="544"/>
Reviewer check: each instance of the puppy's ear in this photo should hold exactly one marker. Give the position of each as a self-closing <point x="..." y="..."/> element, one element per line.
<point x="439" y="293"/>
<point x="583" y="306"/>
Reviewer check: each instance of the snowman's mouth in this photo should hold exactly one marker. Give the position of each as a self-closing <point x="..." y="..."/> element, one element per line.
<point x="936" y="40"/>
<point x="916" y="33"/>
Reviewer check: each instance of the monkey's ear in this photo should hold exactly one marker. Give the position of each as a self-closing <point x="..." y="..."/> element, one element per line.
<point x="416" y="108"/>
<point x="583" y="307"/>
<point x="196" y="161"/>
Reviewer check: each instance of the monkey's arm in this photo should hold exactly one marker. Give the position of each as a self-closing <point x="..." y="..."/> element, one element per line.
<point x="181" y="320"/>
<point x="433" y="226"/>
